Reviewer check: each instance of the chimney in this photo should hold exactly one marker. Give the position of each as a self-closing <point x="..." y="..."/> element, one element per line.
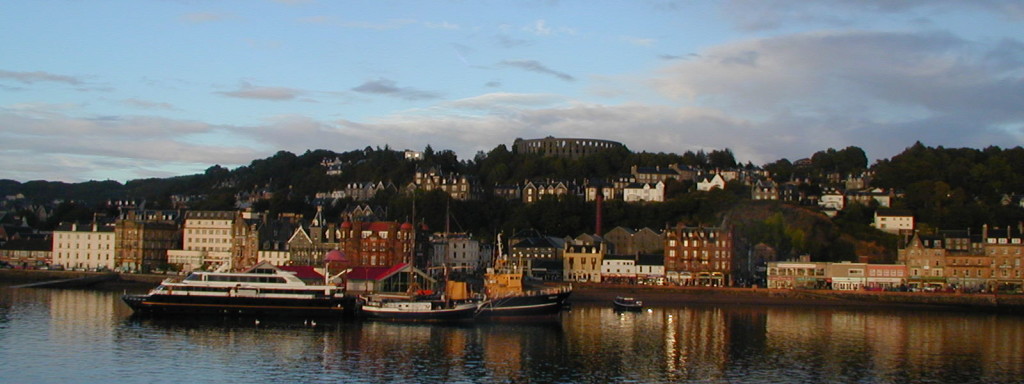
<point x="598" y="229"/>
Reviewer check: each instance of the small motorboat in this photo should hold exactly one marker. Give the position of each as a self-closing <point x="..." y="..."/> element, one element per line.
<point x="623" y="303"/>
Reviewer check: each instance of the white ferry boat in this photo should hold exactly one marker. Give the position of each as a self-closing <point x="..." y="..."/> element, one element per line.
<point x="262" y="290"/>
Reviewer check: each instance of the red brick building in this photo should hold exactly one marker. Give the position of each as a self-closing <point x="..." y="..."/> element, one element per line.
<point x="699" y="255"/>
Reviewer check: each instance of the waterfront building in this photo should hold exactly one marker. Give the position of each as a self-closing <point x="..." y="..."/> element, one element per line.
<point x="925" y="261"/>
<point x="885" y="276"/>
<point x="650" y="268"/>
<point x="457" y="250"/>
<point x="619" y="269"/>
<point x="583" y="260"/>
<point x="699" y="255"/>
<point x="85" y="247"/>
<point x="1005" y="251"/>
<point x="30" y="253"/>
<point x="142" y="239"/>
<point x="797" y="274"/>
<point x="538" y="255"/>
<point x="208" y="238"/>
<point x="847" y="276"/>
<point x="564" y="147"/>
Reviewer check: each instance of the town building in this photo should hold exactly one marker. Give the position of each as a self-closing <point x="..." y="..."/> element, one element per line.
<point x="894" y="221"/>
<point x="459" y="187"/>
<point x="207" y="241"/>
<point x="699" y="255"/>
<point x="27" y="253"/>
<point x="925" y="261"/>
<point x="797" y="274"/>
<point x="847" y="276"/>
<point x="457" y="250"/>
<point x="711" y="182"/>
<point x="583" y="260"/>
<point x="764" y="190"/>
<point x="619" y="269"/>
<point x="142" y="239"/>
<point x="534" y="191"/>
<point x="650" y="268"/>
<point x="638" y="192"/>
<point x="84" y="246"/>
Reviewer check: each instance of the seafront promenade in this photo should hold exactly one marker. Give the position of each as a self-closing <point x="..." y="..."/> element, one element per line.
<point x="662" y="295"/>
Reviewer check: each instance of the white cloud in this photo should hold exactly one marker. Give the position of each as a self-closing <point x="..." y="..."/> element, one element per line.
<point x="249" y="91"/>
<point x="39" y="76"/>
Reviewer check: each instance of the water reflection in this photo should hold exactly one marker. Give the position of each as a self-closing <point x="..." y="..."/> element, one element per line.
<point x="94" y="337"/>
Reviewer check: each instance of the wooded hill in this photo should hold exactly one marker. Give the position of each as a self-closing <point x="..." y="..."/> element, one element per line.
<point x="945" y="188"/>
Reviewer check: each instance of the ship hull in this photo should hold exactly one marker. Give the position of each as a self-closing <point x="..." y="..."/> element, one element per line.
<point x="156" y="304"/>
<point x="461" y="313"/>
<point x="525" y="305"/>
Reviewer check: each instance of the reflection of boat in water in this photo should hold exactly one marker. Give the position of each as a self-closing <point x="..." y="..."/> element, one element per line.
<point x="506" y="296"/>
<point x="454" y="305"/>
<point x="622" y="303"/>
<point x="262" y="290"/>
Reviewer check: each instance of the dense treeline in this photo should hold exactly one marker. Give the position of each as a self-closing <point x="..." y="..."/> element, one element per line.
<point x="944" y="188"/>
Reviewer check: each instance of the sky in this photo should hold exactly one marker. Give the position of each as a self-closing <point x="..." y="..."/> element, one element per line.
<point x="124" y="90"/>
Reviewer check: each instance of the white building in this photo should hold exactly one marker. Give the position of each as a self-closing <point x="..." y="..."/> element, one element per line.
<point x="89" y="246"/>
<point x="644" y="192"/>
<point x="206" y="240"/>
<point x="894" y="220"/>
<point x="708" y="184"/>
<point x="458" y="250"/>
<point x="618" y="267"/>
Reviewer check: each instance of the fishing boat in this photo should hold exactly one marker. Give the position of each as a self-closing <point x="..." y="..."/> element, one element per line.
<point x="453" y="305"/>
<point x="264" y="290"/>
<point x="506" y="297"/>
<point x="624" y="303"/>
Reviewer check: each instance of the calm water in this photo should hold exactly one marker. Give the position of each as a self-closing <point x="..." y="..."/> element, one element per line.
<point x="71" y="336"/>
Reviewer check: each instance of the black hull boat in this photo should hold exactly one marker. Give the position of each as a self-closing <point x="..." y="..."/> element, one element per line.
<point x="158" y="304"/>
<point x="400" y="308"/>
<point x="527" y="304"/>
<point x="627" y="304"/>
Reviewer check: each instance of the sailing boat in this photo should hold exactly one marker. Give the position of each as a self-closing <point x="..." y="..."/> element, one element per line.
<point x="505" y="296"/>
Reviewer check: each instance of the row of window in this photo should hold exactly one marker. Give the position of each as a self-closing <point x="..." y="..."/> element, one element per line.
<point x="77" y="246"/>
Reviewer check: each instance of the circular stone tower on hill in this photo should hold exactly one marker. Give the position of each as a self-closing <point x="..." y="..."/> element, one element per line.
<point x="562" y="147"/>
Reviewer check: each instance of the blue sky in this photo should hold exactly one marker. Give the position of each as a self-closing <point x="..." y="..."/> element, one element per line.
<point x="121" y="90"/>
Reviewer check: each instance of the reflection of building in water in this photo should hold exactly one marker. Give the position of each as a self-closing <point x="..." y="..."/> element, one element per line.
<point x="80" y="314"/>
<point x="503" y="354"/>
<point x="905" y="345"/>
<point x="696" y="343"/>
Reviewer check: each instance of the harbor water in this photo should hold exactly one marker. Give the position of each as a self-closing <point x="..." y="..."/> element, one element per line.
<point x="83" y="336"/>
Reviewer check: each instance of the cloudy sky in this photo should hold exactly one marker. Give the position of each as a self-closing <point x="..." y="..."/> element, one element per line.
<point x="121" y="90"/>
